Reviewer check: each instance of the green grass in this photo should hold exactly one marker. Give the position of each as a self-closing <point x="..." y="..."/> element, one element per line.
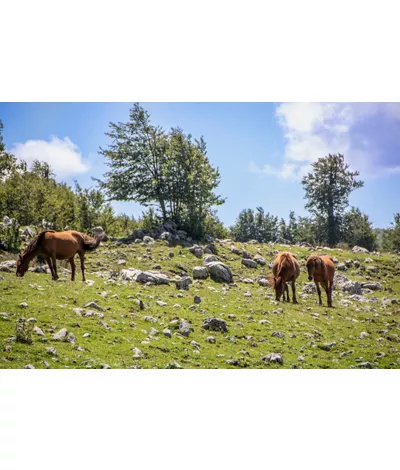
<point x="247" y="341"/>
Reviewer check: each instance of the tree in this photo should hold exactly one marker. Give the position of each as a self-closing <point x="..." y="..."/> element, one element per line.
<point x="327" y="189"/>
<point x="257" y="225"/>
<point x="168" y="170"/>
<point x="391" y="237"/>
<point x="358" y="230"/>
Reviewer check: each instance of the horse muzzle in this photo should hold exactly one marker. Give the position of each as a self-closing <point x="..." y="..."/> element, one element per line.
<point x="310" y="278"/>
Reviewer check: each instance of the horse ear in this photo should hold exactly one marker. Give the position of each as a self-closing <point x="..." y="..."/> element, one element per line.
<point x="20" y="257"/>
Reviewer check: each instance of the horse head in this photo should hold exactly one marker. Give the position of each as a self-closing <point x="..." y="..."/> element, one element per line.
<point x="279" y="287"/>
<point x="22" y="266"/>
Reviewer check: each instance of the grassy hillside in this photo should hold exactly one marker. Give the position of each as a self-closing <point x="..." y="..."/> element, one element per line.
<point x="359" y="332"/>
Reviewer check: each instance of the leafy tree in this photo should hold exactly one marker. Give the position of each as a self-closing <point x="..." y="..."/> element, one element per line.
<point x="391" y="237"/>
<point x="327" y="189"/>
<point x="358" y="230"/>
<point x="168" y="170"/>
<point x="257" y="225"/>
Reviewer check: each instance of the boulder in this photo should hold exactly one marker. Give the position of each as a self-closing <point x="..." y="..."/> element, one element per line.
<point x="219" y="272"/>
<point x="196" y="250"/>
<point x="129" y="274"/>
<point x="249" y="263"/>
<point x="148" y="240"/>
<point x="153" y="277"/>
<point x="359" y="249"/>
<point x="184" y="283"/>
<point x="260" y="260"/>
<point x="210" y="259"/>
<point x="215" y="324"/>
<point x="200" y="272"/>
<point x="28" y="232"/>
<point x="372" y="285"/>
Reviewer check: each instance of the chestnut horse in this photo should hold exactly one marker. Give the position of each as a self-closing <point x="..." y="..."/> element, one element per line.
<point x="285" y="268"/>
<point x="322" y="269"/>
<point x="53" y="245"/>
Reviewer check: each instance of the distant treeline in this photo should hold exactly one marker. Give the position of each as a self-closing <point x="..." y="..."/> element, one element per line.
<point x="170" y="173"/>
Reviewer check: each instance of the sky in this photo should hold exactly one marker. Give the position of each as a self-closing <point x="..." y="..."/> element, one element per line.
<point x="261" y="149"/>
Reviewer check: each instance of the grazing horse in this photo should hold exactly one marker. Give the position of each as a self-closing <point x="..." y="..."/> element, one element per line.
<point x="285" y="268"/>
<point x="322" y="270"/>
<point x="53" y="245"/>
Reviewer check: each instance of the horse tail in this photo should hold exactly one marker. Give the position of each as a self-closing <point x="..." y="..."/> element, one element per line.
<point x="90" y="244"/>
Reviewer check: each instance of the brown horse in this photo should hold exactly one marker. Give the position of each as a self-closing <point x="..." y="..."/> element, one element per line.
<point x="285" y="268"/>
<point x="53" y="245"/>
<point x="322" y="269"/>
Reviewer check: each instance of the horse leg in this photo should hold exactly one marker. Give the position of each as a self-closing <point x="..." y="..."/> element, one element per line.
<point x="294" y="292"/>
<point x="287" y="292"/>
<point x="330" y="289"/>
<point x="50" y="264"/>
<point x="54" y="261"/>
<point x="319" y="293"/>
<point x="72" y="263"/>
<point x="326" y="289"/>
<point x="82" y="258"/>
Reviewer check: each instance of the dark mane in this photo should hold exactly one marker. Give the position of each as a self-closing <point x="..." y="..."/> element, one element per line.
<point x="35" y="243"/>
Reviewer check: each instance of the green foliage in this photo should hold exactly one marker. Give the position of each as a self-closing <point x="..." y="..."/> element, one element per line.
<point x="214" y="227"/>
<point x="327" y="189"/>
<point x="391" y="237"/>
<point x="10" y="236"/>
<point x="256" y="225"/>
<point x="169" y="170"/>
<point x="358" y="230"/>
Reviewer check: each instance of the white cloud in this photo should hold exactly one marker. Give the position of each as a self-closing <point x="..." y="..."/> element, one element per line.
<point x="368" y="134"/>
<point x="62" y="155"/>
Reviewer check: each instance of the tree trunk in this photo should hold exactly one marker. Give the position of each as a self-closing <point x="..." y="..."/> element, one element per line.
<point x="331" y="227"/>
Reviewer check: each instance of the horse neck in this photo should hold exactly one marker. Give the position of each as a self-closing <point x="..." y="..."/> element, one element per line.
<point x="29" y="256"/>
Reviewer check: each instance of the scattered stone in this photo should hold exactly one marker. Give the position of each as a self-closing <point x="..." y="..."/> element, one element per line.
<point x="173" y="365"/>
<point x="196" y="250"/>
<point x="210" y="259"/>
<point x="38" y="331"/>
<point x="327" y="346"/>
<point x="359" y="249"/>
<point x="363" y="335"/>
<point x="137" y="353"/>
<point x="153" y="278"/>
<point x="61" y="335"/>
<point x="167" y="332"/>
<point x="153" y="332"/>
<point x="249" y="263"/>
<point x="215" y="324"/>
<point x="274" y="358"/>
<point x="260" y="260"/>
<point x="211" y="339"/>
<point x="185" y="328"/>
<point x="160" y="303"/>
<point x="341" y="267"/>
<point x="150" y="319"/>
<point x="148" y="240"/>
<point x="86" y="335"/>
<point x="365" y="365"/>
<point x="52" y="351"/>
<point x="105" y="325"/>
<point x="94" y="305"/>
<point x="71" y="338"/>
<point x="278" y="334"/>
<point x="105" y="366"/>
<point x="129" y="274"/>
<point x="196" y="299"/>
<point x="184" y="283"/>
<point x="301" y="359"/>
<point x="195" y="344"/>
<point x="23" y="305"/>
<point x="29" y="366"/>
<point x="89" y="282"/>
<point x="200" y="272"/>
<point x="219" y="272"/>
<point x="372" y="286"/>
<point x="236" y="251"/>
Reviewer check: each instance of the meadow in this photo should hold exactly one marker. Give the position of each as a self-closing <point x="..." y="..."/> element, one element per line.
<point x="109" y="322"/>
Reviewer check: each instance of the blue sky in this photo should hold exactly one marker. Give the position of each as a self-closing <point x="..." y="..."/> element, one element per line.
<point x="261" y="149"/>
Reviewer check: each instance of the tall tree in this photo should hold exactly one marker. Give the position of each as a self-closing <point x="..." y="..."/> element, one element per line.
<point x="327" y="189"/>
<point x="358" y="230"/>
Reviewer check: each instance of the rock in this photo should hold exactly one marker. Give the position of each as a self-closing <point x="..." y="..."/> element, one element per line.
<point x="105" y="366"/>
<point x="105" y="325"/>
<point x="210" y="259"/>
<point x="52" y="351"/>
<point x="368" y="260"/>
<point x="38" y="331"/>
<point x="249" y="263"/>
<point x="363" y="335"/>
<point x="153" y="332"/>
<point x="166" y="236"/>
<point x="309" y="288"/>
<point x="129" y="274"/>
<point x="301" y="359"/>
<point x="211" y="339"/>
<point x="153" y="278"/>
<point x="173" y="365"/>
<point x="29" y="366"/>
<point x="23" y="305"/>
<point x="341" y="267"/>
<point x="148" y="240"/>
<point x="185" y="328"/>
<point x="215" y="324"/>
<point x="150" y="319"/>
<point x="219" y="272"/>
<point x="167" y="332"/>
<point x="196" y="250"/>
<point x="28" y="232"/>
<point x="263" y="282"/>
<point x="278" y="334"/>
<point x="94" y="305"/>
<point x="246" y="255"/>
<point x="86" y="335"/>
<point x="8" y="266"/>
<point x="160" y="303"/>
<point x="372" y="269"/>
<point x="87" y="313"/>
<point x="196" y="299"/>
<point x="61" y="335"/>
<point x="236" y="251"/>
<point x="7" y="220"/>
<point x="200" y="272"/>
<point x="121" y="262"/>
<point x="71" y="338"/>
<point x="273" y="358"/>
<point x="365" y="365"/>
<point x="184" y="283"/>
<point x="260" y="260"/>
<point x="359" y="249"/>
<point x="327" y="346"/>
<point x="98" y="232"/>
<point x="137" y="353"/>
<point x="372" y="286"/>
<point x="195" y="344"/>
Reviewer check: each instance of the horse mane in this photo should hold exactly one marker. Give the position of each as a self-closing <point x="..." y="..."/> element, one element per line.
<point x="282" y="268"/>
<point x="35" y="243"/>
